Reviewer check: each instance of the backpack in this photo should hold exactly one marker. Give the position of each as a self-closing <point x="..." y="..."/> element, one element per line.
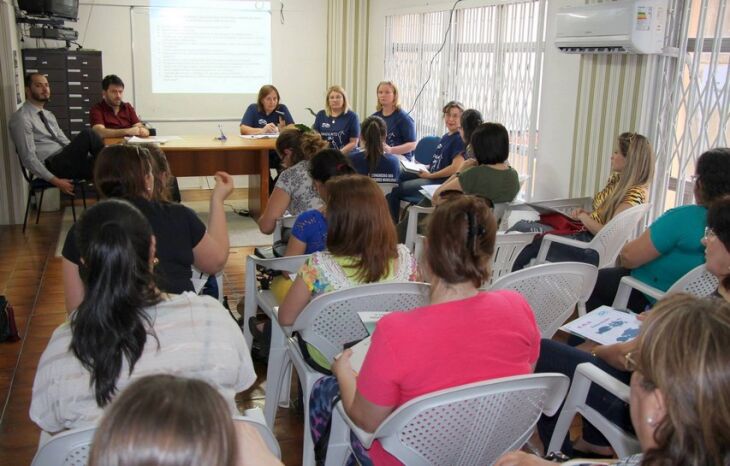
<point x="8" y="329"/>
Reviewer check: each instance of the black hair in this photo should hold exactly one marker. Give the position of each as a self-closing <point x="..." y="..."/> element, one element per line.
<point x="718" y="219"/>
<point x="713" y="174"/>
<point x="111" y="79"/>
<point x="470" y="120"/>
<point x="110" y="325"/>
<point x="28" y="78"/>
<point x="490" y="142"/>
<point x="372" y="133"/>
<point x="328" y="163"/>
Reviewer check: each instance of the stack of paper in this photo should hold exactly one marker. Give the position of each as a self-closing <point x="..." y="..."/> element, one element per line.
<point x="152" y="139"/>
<point x="412" y="167"/>
<point x="259" y="136"/>
<point x="605" y="325"/>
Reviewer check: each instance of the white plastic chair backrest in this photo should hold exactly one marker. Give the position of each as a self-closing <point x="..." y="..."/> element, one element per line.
<point x="697" y="282"/>
<point x="471" y="424"/>
<point x="68" y="448"/>
<point x="552" y="290"/>
<point x="414" y="214"/>
<point x="287" y="221"/>
<point x="506" y="249"/>
<point x="614" y="234"/>
<point x="331" y="320"/>
<point x="255" y="418"/>
<point x="254" y="296"/>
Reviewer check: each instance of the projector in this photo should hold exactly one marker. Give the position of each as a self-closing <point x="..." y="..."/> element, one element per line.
<point x="58" y="33"/>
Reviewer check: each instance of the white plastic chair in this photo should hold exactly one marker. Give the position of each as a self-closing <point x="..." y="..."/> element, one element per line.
<point x="608" y="242"/>
<point x="552" y="290"/>
<point x="278" y="368"/>
<point x="331" y="320"/>
<point x="386" y="187"/>
<point x="471" y="424"/>
<point x="255" y="418"/>
<point x="506" y="249"/>
<point x="585" y="375"/>
<point x="415" y="211"/>
<point x="287" y="221"/>
<point x="199" y="280"/>
<point x="698" y="282"/>
<point x="72" y="447"/>
<point x="68" y="448"/>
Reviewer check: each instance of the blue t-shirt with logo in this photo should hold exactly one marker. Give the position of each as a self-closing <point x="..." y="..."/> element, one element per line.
<point x="337" y="131"/>
<point x="387" y="170"/>
<point x="401" y="129"/>
<point x="449" y="147"/>
<point x="256" y="119"/>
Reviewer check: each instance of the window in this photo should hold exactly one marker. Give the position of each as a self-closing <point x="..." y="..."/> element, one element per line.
<point x="694" y="97"/>
<point x="491" y="61"/>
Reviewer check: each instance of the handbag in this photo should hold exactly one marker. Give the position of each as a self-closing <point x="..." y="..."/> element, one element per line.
<point x="8" y="328"/>
<point x="561" y="224"/>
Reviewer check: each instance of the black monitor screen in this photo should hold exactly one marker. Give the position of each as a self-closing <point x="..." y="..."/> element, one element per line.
<point x="68" y="9"/>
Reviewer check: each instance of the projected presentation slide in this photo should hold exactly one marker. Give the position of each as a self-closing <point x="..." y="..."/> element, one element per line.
<point x="217" y="47"/>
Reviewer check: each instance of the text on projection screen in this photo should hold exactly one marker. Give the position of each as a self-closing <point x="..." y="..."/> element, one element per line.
<point x="222" y="48"/>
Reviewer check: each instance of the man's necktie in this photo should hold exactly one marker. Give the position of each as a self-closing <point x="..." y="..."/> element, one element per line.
<point x="48" y="127"/>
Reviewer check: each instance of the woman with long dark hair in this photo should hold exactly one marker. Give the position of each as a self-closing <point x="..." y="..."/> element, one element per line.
<point x="372" y="160"/>
<point x="126" y="327"/>
<point x="126" y="172"/>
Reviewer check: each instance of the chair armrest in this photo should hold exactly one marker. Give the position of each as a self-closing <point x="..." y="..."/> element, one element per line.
<point x="365" y="438"/>
<point x="624" y="291"/>
<point x="590" y="373"/>
<point x="548" y="239"/>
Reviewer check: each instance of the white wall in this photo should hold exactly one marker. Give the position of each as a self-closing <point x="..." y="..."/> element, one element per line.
<point x="298" y="61"/>
<point x="559" y="91"/>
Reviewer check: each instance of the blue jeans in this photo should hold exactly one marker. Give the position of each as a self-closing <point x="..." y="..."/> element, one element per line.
<point x="563" y="359"/>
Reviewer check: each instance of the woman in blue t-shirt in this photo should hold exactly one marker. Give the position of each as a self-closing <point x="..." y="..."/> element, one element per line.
<point x="446" y="161"/>
<point x="267" y="115"/>
<point x="337" y="124"/>
<point x="401" y="137"/>
<point x="372" y="160"/>
<point x="309" y="233"/>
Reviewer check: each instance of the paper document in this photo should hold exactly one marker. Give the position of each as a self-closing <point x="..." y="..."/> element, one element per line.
<point x="358" y="354"/>
<point x="429" y="190"/>
<point x="412" y="167"/>
<point x="605" y="325"/>
<point x="152" y="139"/>
<point x="259" y="136"/>
<point x="370" y="318"/>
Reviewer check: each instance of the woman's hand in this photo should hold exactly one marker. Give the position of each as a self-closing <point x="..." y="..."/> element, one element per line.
<point x="424" y="174"/>
<point x="270" y="128"/>
<point x="468" y="163"/>
<point x="223" y="186"/>
<point x="342" y="367"/>
<point x="576" y="213"/>
<point x="520" y="458"/>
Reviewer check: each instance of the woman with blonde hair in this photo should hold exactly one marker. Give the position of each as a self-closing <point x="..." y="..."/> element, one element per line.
<point x="337" y="123"/>
<point x="151" y="423"/>
<point x="294" y="190"/>
<point x="680" y="386"/>
<point x="632" y="167"/>
<point x="401" y="135"/>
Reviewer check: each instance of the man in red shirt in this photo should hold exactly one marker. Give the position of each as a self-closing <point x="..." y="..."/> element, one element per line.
<point x="112" y="118"/>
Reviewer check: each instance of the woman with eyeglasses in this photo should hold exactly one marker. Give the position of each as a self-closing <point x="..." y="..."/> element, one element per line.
<point x="632" y="169"/>
<point x="464" y="335"/>
<point x="126" y="172"/>
<point x="680" y="387"/>
<point x="671" y="246"/>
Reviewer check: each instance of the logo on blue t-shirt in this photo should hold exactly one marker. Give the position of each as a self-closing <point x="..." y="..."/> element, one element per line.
<point x="326" y="125"/>
<point x="263" y="122"/>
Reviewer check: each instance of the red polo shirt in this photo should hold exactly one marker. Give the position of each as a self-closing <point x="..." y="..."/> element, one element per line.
<point x="103" y="114"/>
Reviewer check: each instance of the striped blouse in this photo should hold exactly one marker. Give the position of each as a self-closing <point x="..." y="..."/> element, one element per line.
<point x="634" y="196"/>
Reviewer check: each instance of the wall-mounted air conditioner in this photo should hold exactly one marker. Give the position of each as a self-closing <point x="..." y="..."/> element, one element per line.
<point x="625" y="26"/>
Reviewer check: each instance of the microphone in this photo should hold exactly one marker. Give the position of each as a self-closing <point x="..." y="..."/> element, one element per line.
<point x="222" y="137"/>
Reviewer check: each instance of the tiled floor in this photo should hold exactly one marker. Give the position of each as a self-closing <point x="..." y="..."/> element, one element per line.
<point x="30" y="278"/>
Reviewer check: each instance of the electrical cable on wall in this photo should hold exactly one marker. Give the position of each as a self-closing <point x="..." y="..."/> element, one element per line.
<point x="430" y="65"/>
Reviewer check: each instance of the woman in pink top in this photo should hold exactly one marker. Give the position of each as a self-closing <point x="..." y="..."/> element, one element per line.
<point x="463" y="336"/>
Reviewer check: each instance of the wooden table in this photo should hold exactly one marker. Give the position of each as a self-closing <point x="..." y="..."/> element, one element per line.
<point x="203" y="156"/>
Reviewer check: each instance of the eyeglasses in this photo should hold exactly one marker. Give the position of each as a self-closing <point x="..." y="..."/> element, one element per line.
<point x="709" y="234"/>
